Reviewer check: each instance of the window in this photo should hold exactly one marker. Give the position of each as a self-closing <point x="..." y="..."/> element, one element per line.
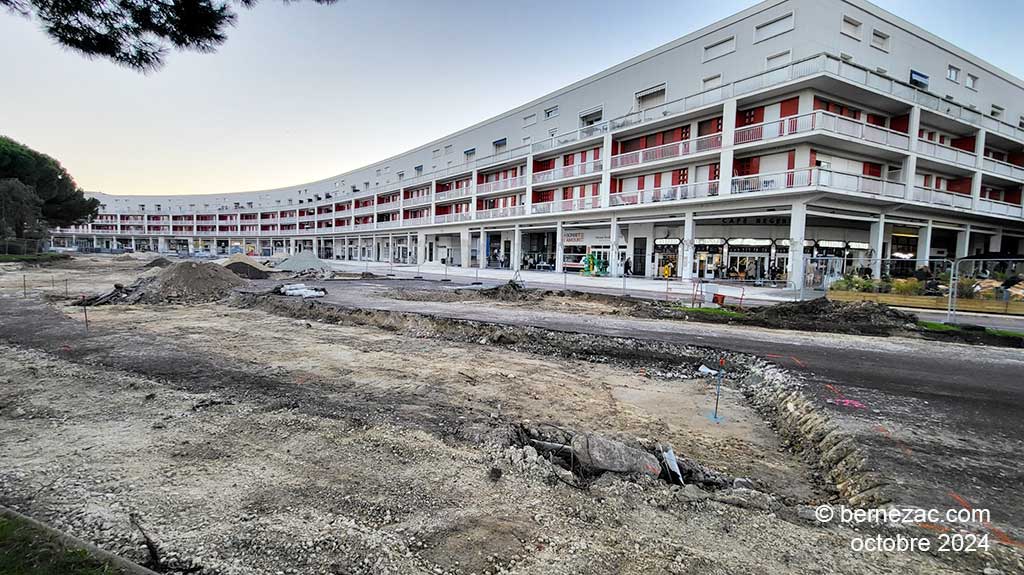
<point x="851" y="28"/>
<point x="401" y="176"/>
<point x="469" y="154"/>
<point x="880" y="40"/>
<point x="527" y="140"/>
<point x="720" y="48"/>
<point x="711" y="82"/>
<point x="1020" y="122"/>
<point x="529" y="120"/>
<point x="918" y="80"/>
<point x="378" y="172"/>
<point x="777" y="60"/>
<point x="551" y="112"/>
<point x="773" y="28"/>
<point x="590" y="118"/>
<point x="650" y="97"/>
<point x="971" y="82"/>
<point x="500" y="145"/>
<point x="435" y="153"/>
<point x="448" y="149"/>
<point x="997" y="111"/>
<point x="418" y="169"/>
<point x="953" y="74"/>
<point x="553" y="132"/>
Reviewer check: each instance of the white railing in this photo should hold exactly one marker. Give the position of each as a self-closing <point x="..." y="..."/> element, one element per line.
<point x="584" y="133"/>
<point x="940" y="198"/>
<point x="416" y="221"/>
<point x="821" y="120"/>
<point x="452" y="217"/>
<point x="856" y="183"/>
<point x="499" y="185"/>
<point x="673" y="150"/>
<point x="362" y="211"/>
<point x="771" y="181"/>
<point x="665" y="194"/>
<point x="570" y="205"/>
<point x="1003" y="168"/>
<point x="948" y="153"/>
<point x="500" y="212"/>
<point x="1000" y="208"/>
<point x="517" y="152"/>
<point x="361" y="227"/>
<point x="387" y="224"/>
<point x="417" y="200"/>
<point x="454" y="193"/>
<point x="565" y="172"/>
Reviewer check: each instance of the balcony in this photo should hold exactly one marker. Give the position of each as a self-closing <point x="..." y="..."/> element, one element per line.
<point x="947" y="153"/>
<point x="584" y="133"/>
<point x="452" y="217"/>
<point x="823" y="121"/>
<point x="495" y="213"/>
<point x="453" y="194"/>
<point x="1003" y="168"/>
<point x="700" y="145"/>
<point x="363" y="210"/>
<point x="940" y="198"/>
<point x="420" y="221"/>
<point x="499" y="185"/>
<point x="362" y="227"/>
<point x="1000" y="208"/>
<point x="417" y="201"/>
<point x="809" y="177"/>
<point x="388" y="224"/>
<point x="566" y="172"/>
<point x="665" y="194"/>
<point x="571" y="205"/>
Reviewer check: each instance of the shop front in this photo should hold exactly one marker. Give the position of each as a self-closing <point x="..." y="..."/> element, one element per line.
<point x="707" y="258"/>
<point x="666" y="257"/>
<point x="748" y="259"/>
<point x="588" y="250"/>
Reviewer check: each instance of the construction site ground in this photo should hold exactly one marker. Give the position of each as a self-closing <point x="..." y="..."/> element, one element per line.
<point x="241" y="441"/>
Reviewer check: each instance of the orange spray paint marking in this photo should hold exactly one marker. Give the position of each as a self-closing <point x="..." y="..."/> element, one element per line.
<point x="833" y="389"/>
<point x="999" y="534"/>
<point x="797" y="361"/>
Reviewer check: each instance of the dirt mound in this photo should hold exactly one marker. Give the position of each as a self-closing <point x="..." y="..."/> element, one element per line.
<point x="124" y="258"/>
<point x="244" y="259"/>
<point x="512" y="291"/>
<point x="158" y="263"/>
<point x="302" y="261"/>
<point x="247" y="271"/>
<point x="842" y="317"/>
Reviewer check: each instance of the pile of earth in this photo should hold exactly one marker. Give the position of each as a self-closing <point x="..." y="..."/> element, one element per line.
<point x="158" y="263"/>
<point x="124" y="258"/>
<point x="246" y="267"/>
<point x="821" y="314"/>
<point x="512" y="291"/>
<point x="184" y="282"/>
<point x="302" y="261"/>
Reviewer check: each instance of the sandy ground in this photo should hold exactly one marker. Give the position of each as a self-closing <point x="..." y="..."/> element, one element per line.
<point x="247" y="443"/>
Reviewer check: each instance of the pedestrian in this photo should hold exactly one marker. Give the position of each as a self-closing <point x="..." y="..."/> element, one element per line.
<point x="627" y="268"/>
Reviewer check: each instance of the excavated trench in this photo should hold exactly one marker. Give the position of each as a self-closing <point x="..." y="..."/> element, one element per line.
<point x="775" y="393"/>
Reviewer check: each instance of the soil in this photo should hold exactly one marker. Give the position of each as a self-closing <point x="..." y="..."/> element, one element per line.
<point x="244" y="442"/>
<point x="189" y="282"/>
<point x="158" y="263"/>
<point x="244" y="270"/>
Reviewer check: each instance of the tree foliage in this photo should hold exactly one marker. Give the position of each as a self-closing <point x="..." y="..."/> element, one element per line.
<point x="36" y="191"/>
<point x="134" y="33"/>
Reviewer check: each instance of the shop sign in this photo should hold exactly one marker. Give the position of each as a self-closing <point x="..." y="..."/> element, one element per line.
<point x="667" y="242"/>
<point x="572" y="237"/>
<point x="756" y="221"/>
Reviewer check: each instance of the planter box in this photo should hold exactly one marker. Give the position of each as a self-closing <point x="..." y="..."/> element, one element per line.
<point x="931" y="302"/>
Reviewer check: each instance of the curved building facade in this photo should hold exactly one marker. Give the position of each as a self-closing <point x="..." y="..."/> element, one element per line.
<point x="794" y="128"/>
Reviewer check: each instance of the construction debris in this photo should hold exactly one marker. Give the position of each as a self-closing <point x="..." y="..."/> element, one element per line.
<point x="302" y="261"/>
<point x="184" y="282"/>
<point x="821" y="314"/>
<point x="158" y="263"/>
<point x="300" y="290"/>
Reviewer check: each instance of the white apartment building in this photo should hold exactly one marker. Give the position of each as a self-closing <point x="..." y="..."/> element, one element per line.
<point x="794" y="128"/>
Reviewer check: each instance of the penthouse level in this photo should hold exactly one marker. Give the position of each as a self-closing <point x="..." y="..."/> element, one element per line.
<point x="791" y="127"/>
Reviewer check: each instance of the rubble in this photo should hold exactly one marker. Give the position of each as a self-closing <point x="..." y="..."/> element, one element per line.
<point x="821" y="314"/>
<point x="184" y="282"/>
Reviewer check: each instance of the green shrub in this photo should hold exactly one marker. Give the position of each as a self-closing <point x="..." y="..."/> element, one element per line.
<point x="965" y="288"/>
<point x="909" y="286"/>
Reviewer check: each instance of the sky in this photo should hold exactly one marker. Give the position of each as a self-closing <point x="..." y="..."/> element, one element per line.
<point x="301" y="92"/>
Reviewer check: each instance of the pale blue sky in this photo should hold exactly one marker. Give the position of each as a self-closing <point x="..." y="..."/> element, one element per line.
<point x="303" y="92"/>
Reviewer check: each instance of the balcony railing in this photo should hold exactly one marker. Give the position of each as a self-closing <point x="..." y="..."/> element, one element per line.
<point x="452" y="217"/>
<point x="494" y="213"/>
<point x="454" y="193"/>
<point x="825" y="121"/>
<point x="417" y="200"/>
<point x="422" y="220"/>
<point x="583" y="133"/>
<point x="859" y="183"/>
<point x="388" y="224"/>
<point x="1003" y="168"/>
<point x="680" y="149"/>
<point x="499" y="185"/>
<point x="665" y="194"/>
<point x="361" y="227"/>
<point x="570" y="205"/>
<point x="948" y="153"/>
<point x="1000" y="208"/>
<point x="362" y="211"/>
<point x="940" y="197"/>
<point x="518" y="152"/>
<point x="565" y="172"/>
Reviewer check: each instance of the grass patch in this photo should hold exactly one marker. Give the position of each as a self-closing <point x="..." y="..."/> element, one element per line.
<point x="937" y="326"/>
<point x="711" y="311"/>
<point x="33" y="258"/>
<point x="1004" y="332"/>
<point x="25" y="550"/>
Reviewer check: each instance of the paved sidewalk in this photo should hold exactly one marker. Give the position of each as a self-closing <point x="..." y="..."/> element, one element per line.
<point x="634" y="286"/>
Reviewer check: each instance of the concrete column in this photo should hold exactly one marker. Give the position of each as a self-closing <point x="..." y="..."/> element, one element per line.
<point x="797" y="229"/>
<point x="408" y="249"/>
<point x="559" y="247"/>
<point x="876" y="240"/>
<point x="686" y="247"/>
<point x="963" y="242"/>
<point x="979" y="151"/>
<point x="472" y="198"/>
<point x="421" y="247"/>
<point x="606" y="174"/>
<point x="614" y="265"/>
<point x="95" y="242"/>
<point x="464" y="251"/>
<point x="161" y="245"/>
<point x="728" y="137"/>
<point x="528" y="174"/>
<point x="483" y="252"/>
<point x="995" y="241"/>
<point x="517" y="249"/>
<point x="924" y="244"/>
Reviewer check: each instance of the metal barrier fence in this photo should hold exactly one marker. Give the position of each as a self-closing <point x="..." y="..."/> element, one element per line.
<point x="986" y="285"/>
<point x="21" y="246"/>
<point x="862" y="275"/>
